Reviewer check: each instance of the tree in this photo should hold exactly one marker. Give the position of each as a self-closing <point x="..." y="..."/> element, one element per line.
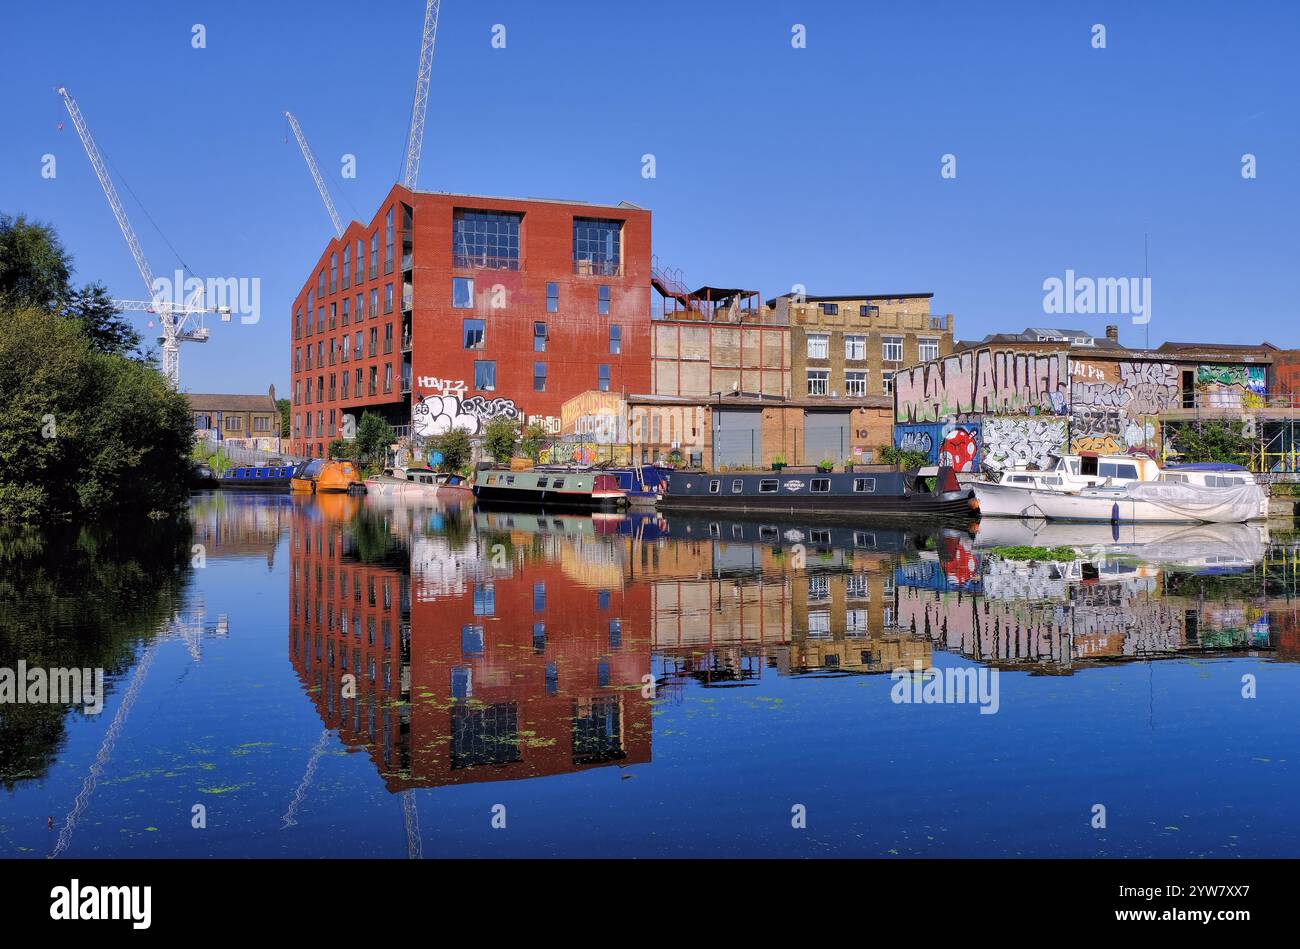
<point x="339" y="448"/>
<point x="455" y="448"/>
<point x="1217" y="440"/>
<point x="92" y="307"/>
<point x="374" y="435"/>
<point x="500" y="438"/>
<point x="533" y="441"/>
<point x="906" y="460"/>
<point x="285" y="407"/>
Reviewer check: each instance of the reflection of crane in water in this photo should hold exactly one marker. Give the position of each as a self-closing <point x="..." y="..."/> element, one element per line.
<point x="189" y="630"/>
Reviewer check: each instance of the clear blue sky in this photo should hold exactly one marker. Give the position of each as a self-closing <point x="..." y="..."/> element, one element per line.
<point x="775" y="165"/>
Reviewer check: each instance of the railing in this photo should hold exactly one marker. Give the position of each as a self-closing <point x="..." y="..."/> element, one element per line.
<point x="598" y="268"/>
<point x="240" y="455"/>
<point x="485" y="262"/>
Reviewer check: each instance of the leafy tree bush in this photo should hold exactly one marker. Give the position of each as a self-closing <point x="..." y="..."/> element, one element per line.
<point x="533" y="441"/>
<point x="500" y="438"/>
<point x="455" y="448"/>
<point x="1217" y="440"/>
<point x="374" y="435"/>
<point x="906" y="460"/>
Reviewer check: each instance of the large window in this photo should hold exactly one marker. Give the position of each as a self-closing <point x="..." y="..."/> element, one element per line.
<point x="474" y="330"/>
<point x="388" y="241"/>
<point x="818" y="381"/>
<point x="818" y="345"/>
<point x="855" y="347"/>
<point x="830" y="309"/>
<point x="347" y="309"/>
<point x="485" y="375"/>
<point x="539" y="377"/>
<point x="891" y="348"/>
<point x="486" y="239"/>
<point x="462" y="292"/>
<point x="927" y="349"/>
<point x="887" y="382"/>
<point x="615" y="340"/>
<point x="361" y="260"/>
<point x="334" y="271"/>
<point x="602" y="377"/>
<point x="346" y="273"/>
<point x="552" y="298"/>
<point x="855" y="384"/>
<point x="374" y="255"/>
<point x="597" y="246"/>
<point x="539" y="337"/>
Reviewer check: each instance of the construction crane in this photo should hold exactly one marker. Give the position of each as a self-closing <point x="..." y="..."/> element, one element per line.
<point x="315" y="173"/>
<point x="411" y="175"/>
<point x="181" y="322"/>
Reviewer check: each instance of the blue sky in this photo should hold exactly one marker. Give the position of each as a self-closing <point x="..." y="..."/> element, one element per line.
<point x="775" y="165"/>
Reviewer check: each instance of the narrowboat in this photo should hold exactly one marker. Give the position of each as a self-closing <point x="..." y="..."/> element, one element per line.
<point x="889" y="493"/>
<point x="252" y="477"/>
<point x="643" y="484"/>
<point x="325" y="476"/>
<point x="416" y="482"/>
<point x="589" y="490"/>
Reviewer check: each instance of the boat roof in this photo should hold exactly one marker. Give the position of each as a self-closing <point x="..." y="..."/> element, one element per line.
<point x="1206" y="466"/>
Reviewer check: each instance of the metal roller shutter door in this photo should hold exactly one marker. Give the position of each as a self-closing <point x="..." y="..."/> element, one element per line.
<point x="737" y="437"/>
<point x="826" y="435"/>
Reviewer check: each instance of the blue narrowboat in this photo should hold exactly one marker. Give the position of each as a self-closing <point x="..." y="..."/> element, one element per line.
<point x="253" y="477"/>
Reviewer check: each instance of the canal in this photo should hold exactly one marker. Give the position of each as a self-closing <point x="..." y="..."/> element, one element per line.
<point x="337" y="676"/>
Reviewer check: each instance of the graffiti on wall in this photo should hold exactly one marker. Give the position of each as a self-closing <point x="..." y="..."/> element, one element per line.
<point x="1113" y="433"/>
<point x="953" y="443"/>
<point x="1134" y="388"/>
<point x="446" y="408"/>
<point x="1001" y="382"/>
<point x="1020" y="442"/>
<point x="1232" y="386"/>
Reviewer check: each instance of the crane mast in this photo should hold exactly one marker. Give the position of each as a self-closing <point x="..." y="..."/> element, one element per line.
<point x="420" y="107"/>
<point x="315" y="173"/>
<point x="175" y="317"/>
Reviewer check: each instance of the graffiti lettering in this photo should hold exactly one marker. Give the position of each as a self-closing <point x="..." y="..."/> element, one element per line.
<point x="1003" y="382"/>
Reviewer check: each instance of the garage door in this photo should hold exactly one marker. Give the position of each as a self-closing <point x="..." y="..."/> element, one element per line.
<point x="826" y="435"/>
<point x="737" y="437"/>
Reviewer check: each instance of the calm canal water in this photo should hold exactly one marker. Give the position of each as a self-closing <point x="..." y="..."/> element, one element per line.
<point x="341" y="677"/>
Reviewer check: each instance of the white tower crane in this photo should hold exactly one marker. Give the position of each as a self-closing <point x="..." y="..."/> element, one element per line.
<point x="315" y="173"/>
<point x="411" y="175"/>
<point x="181" y="322"/>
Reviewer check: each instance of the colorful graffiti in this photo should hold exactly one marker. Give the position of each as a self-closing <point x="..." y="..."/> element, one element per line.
<point x="1113" y="433"/>
<point x="955" y="444"/>
<point x="1020" y="442"/>
<point x="987" y="381"/>
<point x="448" y="409"/>
<point x="1232" y="386"/>
<point x="1134" y="388"/>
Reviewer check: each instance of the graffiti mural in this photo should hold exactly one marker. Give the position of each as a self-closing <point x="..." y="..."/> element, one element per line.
<point x="1112" y="433"/>
<point x="1020" y="442"/>
<point x="1133" y="388"/>
<point x="1231" y="387"/>
<point x="1000" y="382"/>
<point x="447" y="408"/>
<point x="954" y="443"/>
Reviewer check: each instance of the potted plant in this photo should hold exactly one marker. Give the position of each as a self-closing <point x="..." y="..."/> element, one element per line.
<point x="825" y="466"/>
<point x="848" y="464"/>
<point x="778" y="462"/>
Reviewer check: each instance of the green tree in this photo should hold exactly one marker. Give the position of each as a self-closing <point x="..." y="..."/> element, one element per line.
<point x="340" y="448"/>
<point x="906" y="460"/>
<point x="500" y="438"/>
<point x="1217" y="440"/>
<point x="455" y="448"/>
<point x="285" y="407"/>
<point x="533" y="441"/>
<point x="374" y="435"/>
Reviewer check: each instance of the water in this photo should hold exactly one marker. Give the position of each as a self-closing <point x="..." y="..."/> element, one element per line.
<point x="645" y="686"/>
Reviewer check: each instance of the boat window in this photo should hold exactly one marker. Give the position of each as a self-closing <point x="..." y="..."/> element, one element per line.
<point x="737" y="486"/>
<point x="1127" y="471"/>
<point x="492" y="479"/>
<point x="426" y="479"/>
<point x="1052" y="481"/>
<point x="542" y="482"/>
<point x="559" y="483"/>
<point x="864" y="485"/>
<point x="738" y="531"/>
<point x="1074" y="467"/>
<point x="767" y="486"/>
<point x="510" y="479"/>
<point x="715" y="486"/>
<point x="715" y="529"/>
<point x="864" y="539"/>
<point x="820" y="536"/>
<point x="1089" y="466"/>
<point x="1181" y="479"/>
<point x="821" y="485"/>
<point x="767" y="532"/>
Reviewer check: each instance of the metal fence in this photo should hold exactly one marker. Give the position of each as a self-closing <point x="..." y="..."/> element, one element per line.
<point x="247" y="456"/>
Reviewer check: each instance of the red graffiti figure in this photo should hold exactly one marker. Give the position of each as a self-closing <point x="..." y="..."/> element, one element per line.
<point x="958" y="450"/>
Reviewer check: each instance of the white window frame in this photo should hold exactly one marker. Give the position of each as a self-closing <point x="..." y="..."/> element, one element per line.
<point x="855" y="383"/>
<point x="890" y="345"/>
<point x="819" y="381"/>
<point x="819" y="346"/>
<point x="855" y="347"/>
<point x="927" y="349"/>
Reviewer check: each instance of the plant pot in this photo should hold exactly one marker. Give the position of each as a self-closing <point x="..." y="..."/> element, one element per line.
<point x="777" y="466"/>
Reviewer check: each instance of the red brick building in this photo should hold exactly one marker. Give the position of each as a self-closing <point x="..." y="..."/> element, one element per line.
<point x="447" y="310"/>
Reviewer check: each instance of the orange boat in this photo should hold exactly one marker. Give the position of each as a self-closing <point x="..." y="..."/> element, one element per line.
<point x="325" y="476"/>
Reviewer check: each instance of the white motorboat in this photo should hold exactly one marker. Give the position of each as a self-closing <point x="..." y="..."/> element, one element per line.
<point x="1187" y="494"/>
<point x="1010" y="495"/>
<point x="416" y="482"/>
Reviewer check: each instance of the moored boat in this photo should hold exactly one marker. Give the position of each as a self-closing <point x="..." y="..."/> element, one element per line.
<point x="1009" y="496"/>
<point x="415" y="482"/>
<point x="883" y="492"/>
<point x="255" y="477"/>
<point x="1187" y="495"/>
<point x="590" y="490"/>
<point x="325" y="476"/>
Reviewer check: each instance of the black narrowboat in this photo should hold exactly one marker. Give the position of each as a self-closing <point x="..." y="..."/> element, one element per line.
<point x="889" y="493"/>
<point x="538" y="488"/>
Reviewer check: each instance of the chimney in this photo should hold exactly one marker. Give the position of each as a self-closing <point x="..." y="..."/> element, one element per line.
<point x="1112" y="332"/>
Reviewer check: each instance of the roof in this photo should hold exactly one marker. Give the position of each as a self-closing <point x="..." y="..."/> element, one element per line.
<point x="621" y="206"/>
<point x="1232" y="347"/>
<point x="226" y="402"/>
<point x="842" y="297"/>
<point x="755" y="400"/>
<point x="1075" y="339"/>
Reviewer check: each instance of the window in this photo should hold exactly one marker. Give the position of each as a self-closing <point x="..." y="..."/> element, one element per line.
<point x="374" y="341"/>
<point x="596" y="247"/>
<point x="615" y="340"/>
<point x="767" y="486"/>
<point x="297" y="323"/>
<point x="819" y="589"/>
<point x="602" y="377"/>
<point x="232" y="423"/>
<point x="539" y="597"/>
<point x="818" y="345"/>
<point x="347" y="303"/>
<point x="488" y="239"/>
<point x="474" y="330"/>
<point x="297" y="359"/>
<point x="388" y="298"/>
<point x="539" y="377"/>
<point x="374" y="302"/>
<point x="855" y="587"/>
<point x="539" y="337"/>
<point x="388" y="377"/>
<point x="864" y="485"/>
<point x="559" y="483"/>
<point x="374" y="380"/>
<point x="821" y="485"/>
<point x="388" y="338"/>
<point x="552" y="298"/>
<point x="737" y="486"/>
<point x="715" y="486"/>
<point x="830" y="309"/>
<point x="361" y="260"/>
<point x="374" y="255"/>
<point x="855" y="347"/>
<point x="868" y="309"/>
<point x="334" y="312"/>
<point x="602" y="300"/>
<point x="334" y="272"/>
<point x="320" y="283"/>
<point x="855" y="384"/>
<point x="388" y="241"/>
<point x="462" y="292"/>
<point x="887" y="382"/>
<point x="356" y="354"/>
<point x="320" y="319"/>
<point x="818" y="381"/>
<point x="891" y="348"/>
<point x="543" y="482"/>
<point x="347" y="266"/>
<point x="927" y="349"/>
<point x="346" y="377"/>
<point x="485" y="375"/>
